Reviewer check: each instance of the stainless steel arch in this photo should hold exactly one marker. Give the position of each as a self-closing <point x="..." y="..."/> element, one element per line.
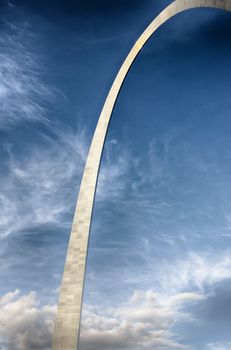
<point x="67" y="323"/>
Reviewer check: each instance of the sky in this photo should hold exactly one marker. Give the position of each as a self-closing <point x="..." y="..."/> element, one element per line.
<point x="159" y="263"/>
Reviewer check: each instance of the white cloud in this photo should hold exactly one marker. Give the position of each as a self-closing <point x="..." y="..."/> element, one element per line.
<point x="23" y="94"/>
<point x="195" y="271"/>
<point x="46" y="179"/>
<point x="193" y="278"/>
<point x="218" y="346"/>
<point x="24" y="324"/>
<point x="149" y="318"/>
<point x="113" y="176"/>
<point x="145" y="321"/>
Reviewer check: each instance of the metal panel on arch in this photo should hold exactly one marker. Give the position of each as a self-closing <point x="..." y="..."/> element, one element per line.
<point x="67" y="325"/>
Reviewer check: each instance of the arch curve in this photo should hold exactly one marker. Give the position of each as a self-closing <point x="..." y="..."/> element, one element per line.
<point x="67" y="325"/>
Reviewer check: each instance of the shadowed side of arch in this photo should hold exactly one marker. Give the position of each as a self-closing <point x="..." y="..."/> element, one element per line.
<point x="67" y="325"/>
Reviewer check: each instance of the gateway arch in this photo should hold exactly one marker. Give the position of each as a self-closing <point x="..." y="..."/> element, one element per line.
<point x="67" y="324"/>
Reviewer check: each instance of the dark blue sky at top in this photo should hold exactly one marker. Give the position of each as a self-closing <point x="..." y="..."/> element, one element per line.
<point x="162" y="214"/>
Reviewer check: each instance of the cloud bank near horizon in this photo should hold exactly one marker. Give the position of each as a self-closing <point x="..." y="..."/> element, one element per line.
<point x="146" y="319"/>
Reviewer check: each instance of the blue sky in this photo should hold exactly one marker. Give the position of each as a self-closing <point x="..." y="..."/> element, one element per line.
<point x="159" y="264"/>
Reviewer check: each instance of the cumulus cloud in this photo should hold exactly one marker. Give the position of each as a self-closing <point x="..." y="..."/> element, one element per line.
<point x="23" y="93"/>
<point x="145" y="321"/>
<point x="149" y="318"/>
<point x="179" y="286"/>
<point x="24" y="324"/>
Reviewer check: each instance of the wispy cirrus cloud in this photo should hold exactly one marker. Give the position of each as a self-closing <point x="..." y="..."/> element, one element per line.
<point x="218" y="346"/>
<point x="193" y="271"/>
<point x="113" y="177"/>
<point x="24" y="95"/>
<point x="47" y="178"/>
<point x="196" y="271"/>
